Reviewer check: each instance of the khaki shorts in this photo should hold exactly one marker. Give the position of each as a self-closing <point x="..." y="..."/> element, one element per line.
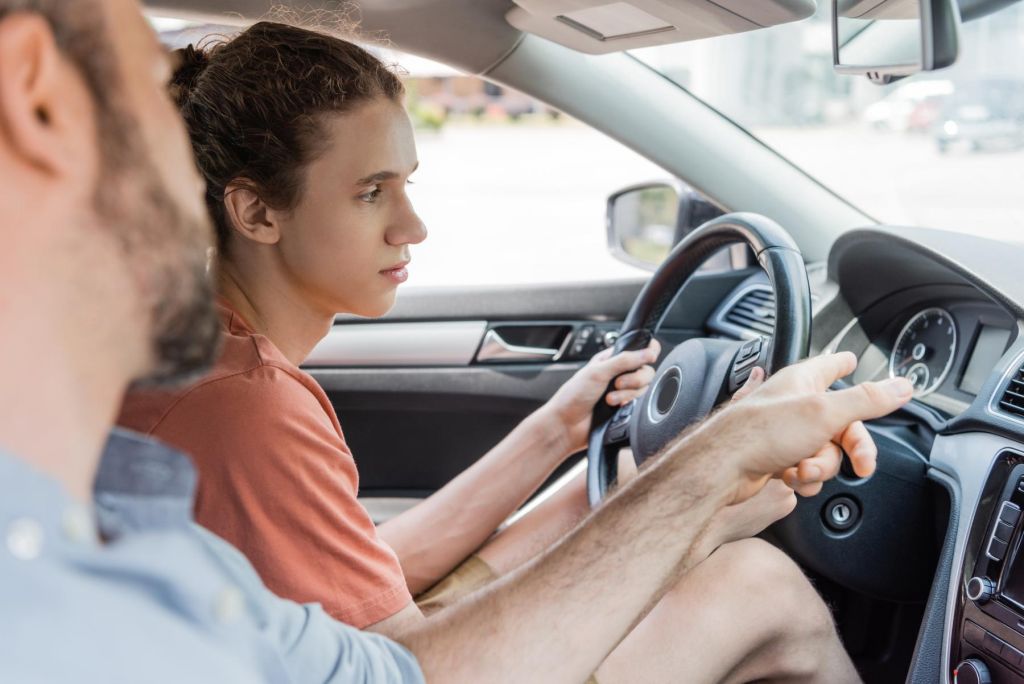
<point x="471" y="575"/>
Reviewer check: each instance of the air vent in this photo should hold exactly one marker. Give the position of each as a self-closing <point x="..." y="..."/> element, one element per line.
<point x="1012" y="400"/>
<point x="755" y="311"/>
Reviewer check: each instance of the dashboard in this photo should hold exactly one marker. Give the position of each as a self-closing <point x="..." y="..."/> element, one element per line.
<point x="939" y="524"/>
<point x="945" y="311"/>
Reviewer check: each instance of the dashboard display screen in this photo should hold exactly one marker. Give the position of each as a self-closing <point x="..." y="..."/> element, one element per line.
<point x="988" y="347"/>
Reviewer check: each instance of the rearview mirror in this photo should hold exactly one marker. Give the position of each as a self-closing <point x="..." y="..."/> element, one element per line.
<point x="893" y="38"/>
<point x="646" y="221"/>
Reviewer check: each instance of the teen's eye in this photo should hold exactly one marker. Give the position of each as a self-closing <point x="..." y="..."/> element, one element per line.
<point x="371" y="196"/>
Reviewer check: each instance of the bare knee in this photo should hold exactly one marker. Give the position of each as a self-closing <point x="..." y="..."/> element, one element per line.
<point x="796" y="625"/>
<point x="765" y="575"/>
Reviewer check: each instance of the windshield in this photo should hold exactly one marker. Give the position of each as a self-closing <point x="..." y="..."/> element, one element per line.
<point x="942" y="149"/>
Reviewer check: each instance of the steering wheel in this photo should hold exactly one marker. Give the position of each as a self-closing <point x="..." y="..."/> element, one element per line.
<point x="701" y="372"/>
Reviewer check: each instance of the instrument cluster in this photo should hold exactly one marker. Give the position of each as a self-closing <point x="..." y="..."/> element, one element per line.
<point x="947" y="349"/>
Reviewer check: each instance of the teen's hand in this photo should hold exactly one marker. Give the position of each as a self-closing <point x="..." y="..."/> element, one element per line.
<point x="571" y="407"/>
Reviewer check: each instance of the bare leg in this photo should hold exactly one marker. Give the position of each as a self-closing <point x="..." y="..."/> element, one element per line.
<point x="747" y="613"/>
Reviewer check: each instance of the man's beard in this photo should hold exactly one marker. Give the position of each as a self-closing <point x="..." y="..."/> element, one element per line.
<point x="185" y="330"/>
<point x="167" y="253"/>
<point x="165" y="248"/>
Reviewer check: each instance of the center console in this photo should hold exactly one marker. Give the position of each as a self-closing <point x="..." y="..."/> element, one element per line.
<point x="989" y="646"/>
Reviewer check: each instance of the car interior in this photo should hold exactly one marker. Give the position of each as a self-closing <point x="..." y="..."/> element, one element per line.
<point x="761" y="263"/>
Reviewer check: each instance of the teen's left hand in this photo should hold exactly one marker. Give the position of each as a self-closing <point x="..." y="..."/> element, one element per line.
<point x="573" y="404"/>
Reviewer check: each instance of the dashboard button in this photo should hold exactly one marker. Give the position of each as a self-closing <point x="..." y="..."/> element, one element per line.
<point x="1003" y="532"/>
<point x="1011" y="655"/>
<point x="1009" y="513"/>
<point x="992" y="644"/>
<point x="974" y="634"/>
<point x="996" y="549"/>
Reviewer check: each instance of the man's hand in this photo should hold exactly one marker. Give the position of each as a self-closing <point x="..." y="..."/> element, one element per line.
<point x="572" y="406"/>
<point x="746" y="519"/>
<point x="808" y="479"/>
<point x="791" y="425"/>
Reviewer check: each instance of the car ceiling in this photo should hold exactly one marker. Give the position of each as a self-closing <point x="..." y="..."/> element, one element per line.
<point x="468" y="34"/>
<point x="472" y="35"/>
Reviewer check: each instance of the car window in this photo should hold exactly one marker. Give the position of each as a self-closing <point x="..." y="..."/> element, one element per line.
<point x="942" y="149"/>
<point x="512" y="192"/>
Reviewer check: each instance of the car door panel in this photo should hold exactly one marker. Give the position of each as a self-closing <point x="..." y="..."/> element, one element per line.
<point x="411" y="430"/>
<point x="437" y="343"/>
<point x="417" y="403"/>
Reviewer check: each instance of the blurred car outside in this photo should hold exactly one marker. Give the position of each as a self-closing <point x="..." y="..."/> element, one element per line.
<point x="987" y="114"/>
<point x="909" y="108"/>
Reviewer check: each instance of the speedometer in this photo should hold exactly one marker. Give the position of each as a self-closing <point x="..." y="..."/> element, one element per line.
<point x="924" y="350"/>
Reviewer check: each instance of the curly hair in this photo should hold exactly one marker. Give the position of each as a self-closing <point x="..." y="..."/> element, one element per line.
<point x="254" y="107"/>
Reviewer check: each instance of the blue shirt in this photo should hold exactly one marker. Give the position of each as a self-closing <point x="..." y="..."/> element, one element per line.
<point x="163" y="600"/>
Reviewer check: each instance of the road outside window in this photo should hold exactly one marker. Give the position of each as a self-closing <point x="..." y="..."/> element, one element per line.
<point x="943" y="149"/>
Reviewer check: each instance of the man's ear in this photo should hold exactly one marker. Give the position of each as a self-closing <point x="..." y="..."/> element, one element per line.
<point x="46" y="111"/>
<point x="249" y="214"/>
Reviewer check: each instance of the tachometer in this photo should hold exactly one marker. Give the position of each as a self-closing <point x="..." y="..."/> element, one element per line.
<point x="924" y="350"/>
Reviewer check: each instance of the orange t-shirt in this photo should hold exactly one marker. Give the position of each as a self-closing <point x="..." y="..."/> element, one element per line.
<point x="276" y="478"/>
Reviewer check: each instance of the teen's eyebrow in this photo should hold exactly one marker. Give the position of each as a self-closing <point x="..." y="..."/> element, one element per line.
<point x="382" y="176"/>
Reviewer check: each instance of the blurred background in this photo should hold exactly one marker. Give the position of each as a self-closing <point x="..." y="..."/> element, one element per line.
<point x="514" y="192"/>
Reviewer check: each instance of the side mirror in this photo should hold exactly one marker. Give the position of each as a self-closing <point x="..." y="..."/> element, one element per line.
<point x="890" y="39"/>
<point x="646" y="221"/>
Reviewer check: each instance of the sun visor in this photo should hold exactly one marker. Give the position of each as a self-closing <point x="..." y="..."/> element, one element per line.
<point x="873" y="9"/>
<point x="599" y="26"/>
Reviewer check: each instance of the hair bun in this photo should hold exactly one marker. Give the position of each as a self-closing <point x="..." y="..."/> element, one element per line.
<point x="191" y="63"/>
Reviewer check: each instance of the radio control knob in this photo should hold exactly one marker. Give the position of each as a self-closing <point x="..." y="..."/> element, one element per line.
<point x="980" y="589"/>
<point x="971" y="671"/>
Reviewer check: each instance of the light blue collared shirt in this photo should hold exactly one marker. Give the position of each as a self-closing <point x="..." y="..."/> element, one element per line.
<point x="163" y="600"/>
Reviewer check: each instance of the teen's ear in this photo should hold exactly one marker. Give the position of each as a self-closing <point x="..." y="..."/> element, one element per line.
<point x="250" y="216"/>
<point x="47" y="114"/>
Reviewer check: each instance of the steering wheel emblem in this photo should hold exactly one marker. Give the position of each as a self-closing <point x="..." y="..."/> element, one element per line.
<point x="664" y="396"/>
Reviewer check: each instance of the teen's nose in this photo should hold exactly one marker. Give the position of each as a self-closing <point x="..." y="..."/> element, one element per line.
<point x="408" y="228"/>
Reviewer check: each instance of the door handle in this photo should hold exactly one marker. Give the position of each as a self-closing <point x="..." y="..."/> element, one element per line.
<point x="495" y="348"/>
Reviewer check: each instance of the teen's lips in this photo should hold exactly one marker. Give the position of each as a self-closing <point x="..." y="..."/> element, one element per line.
<point x="398" y="273"/>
